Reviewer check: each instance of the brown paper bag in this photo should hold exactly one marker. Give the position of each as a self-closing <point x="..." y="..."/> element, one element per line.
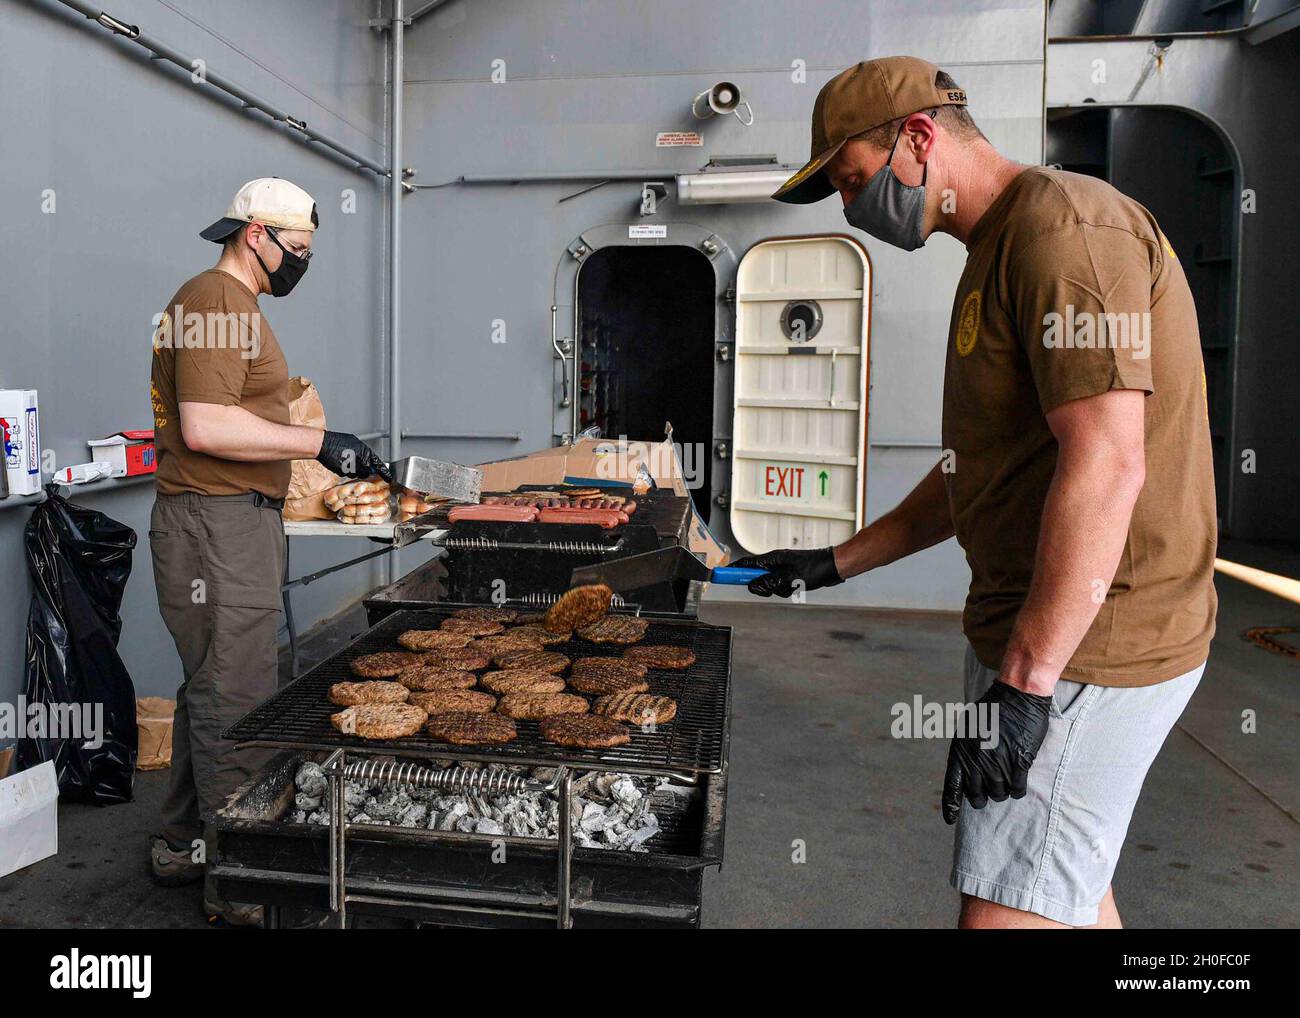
<point x="308" y="480"/>
<point x="153" y="717"/>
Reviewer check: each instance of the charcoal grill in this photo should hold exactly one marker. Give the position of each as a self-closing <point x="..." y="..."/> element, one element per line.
<point x="691" y="749"/>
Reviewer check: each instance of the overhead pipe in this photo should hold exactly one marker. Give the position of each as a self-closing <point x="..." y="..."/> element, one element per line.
<point x="160" y="50"/>
<point x="503" y="436"/>
<point x="557" y="177"/>
<point x="724" y="187"/>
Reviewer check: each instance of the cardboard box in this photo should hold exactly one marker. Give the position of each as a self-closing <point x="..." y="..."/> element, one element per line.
<point x="29" y="817"/>
<point x="128" y="452"/>
<point x="607" y="462"/>
<point x="20" y="430"/>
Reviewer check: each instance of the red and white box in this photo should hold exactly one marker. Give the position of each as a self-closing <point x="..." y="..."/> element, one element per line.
<point x="128" y="452"/>
<point x="20" y="432"/>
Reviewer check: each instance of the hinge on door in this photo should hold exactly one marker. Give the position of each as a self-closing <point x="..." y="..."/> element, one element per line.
<point x="729" y="295"/>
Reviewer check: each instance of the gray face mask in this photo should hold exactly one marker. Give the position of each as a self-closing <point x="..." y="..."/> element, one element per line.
<point x="888" y="209"/>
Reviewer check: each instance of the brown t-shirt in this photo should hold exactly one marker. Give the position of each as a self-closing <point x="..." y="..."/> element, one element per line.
<point x="1057" y="263"/>
<point x="212" y="345"/>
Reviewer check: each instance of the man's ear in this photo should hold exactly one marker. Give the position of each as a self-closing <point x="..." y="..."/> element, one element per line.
<point x="920" y="132"/>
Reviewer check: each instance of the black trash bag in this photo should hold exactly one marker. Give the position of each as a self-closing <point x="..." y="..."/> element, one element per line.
<point x="79" y="560"/>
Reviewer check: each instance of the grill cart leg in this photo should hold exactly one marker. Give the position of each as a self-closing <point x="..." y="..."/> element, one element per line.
<point x="338" y="830"/>
<point x="405" y="774"/>
<point x="565" y="778"/>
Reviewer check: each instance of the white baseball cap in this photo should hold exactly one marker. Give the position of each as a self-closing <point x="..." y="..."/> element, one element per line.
<point x="268" y="200"/>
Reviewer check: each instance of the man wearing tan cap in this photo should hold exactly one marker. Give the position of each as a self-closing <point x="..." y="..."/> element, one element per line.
<point x="1076" y="477"/>
<point x="221" y="426"/>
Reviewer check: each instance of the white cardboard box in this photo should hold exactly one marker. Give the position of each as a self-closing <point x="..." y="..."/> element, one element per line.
<point x="20" y="421"/>
<point x="29" y="817"/>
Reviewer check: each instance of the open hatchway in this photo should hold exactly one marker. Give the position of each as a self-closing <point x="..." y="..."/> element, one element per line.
<point x="1194" y="194"/>
<point x="646" y="318"/>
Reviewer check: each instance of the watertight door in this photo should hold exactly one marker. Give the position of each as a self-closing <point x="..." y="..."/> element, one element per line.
<point x="800" y="413"/>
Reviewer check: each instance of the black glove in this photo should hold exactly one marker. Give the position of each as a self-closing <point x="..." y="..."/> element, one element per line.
<point x="349" y="456"/>
<point x="982" y="774"/>
<point x="814" y="566"/>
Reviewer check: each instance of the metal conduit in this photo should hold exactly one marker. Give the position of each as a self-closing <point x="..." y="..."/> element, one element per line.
<point x="160" y="50"/>
<point x="395" y="254"/>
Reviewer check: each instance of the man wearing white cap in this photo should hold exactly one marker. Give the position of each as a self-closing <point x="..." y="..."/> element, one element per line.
<point x="219" y="387"/>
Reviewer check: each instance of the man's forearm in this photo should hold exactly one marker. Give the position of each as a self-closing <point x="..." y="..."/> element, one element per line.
<point x="1084" y="527"/>
<point x="232" y="433"/>
<point x="921" y="520"/>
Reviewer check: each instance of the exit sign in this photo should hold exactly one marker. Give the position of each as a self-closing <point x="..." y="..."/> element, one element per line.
<point x="803" y="483"/>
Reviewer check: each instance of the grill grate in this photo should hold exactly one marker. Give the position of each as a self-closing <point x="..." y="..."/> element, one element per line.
<point x="695" y="741"/>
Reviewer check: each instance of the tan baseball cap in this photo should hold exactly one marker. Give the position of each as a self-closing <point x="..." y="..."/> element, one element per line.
<point x="267" y="200"/>
<point x="868" y="94"/>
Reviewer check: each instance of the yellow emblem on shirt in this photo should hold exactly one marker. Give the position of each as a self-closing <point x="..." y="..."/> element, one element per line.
<point x="162" y="332"/>
<point x="968" y="323"/>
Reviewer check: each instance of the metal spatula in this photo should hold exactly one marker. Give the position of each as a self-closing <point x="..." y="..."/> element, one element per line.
<point x="666" y="565"/>
<point x="434" y="477"/>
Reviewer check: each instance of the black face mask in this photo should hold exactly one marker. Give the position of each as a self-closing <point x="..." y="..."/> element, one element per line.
<point x="292" y="268"/>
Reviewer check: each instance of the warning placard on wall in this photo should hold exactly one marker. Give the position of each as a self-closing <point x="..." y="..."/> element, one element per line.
<point x="678" y="139"/>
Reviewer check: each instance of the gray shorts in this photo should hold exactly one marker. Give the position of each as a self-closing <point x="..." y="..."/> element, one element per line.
<point x="1054" y="851"/>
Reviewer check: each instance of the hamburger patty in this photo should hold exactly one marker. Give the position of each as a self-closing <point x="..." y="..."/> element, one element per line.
<point x="520" y="680"/>
<point x="534" y="706"/>
<point x="610" y="666"/>
<point x="383" y="664"/>
<point x="586" y="731"/>
<point x="578" y="607"/>
<point x="427" y="677"/>
<point x="540" y="633"/>
<point x="600" y="682"/>
<point x="467" y="659"/>
<point x="615" y="629"/>
<point x="467" y="729"/>
<point x="470" y="627"/>
<point x="380" y="720"/>
<point x="533" y="660"/>
<point x="349" y="694"/>
<point x="448" y="701"/>
<point x="432" y="639"/>
<point x="486" y="613"/>
<point x="637" y="708"/>
<point x="509" y="640"/>
<point x="674" y="658"/>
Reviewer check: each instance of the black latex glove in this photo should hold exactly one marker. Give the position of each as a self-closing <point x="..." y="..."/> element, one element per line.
<point x="348" y="456"/>
<point x="814" y="566"/>
<point x="981" y="774"/>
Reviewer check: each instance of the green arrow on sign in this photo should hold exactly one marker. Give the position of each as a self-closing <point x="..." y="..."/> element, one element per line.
<point x="823" y="477"/>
